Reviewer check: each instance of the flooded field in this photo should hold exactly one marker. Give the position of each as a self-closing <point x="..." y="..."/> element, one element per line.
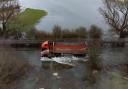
<point x="72" y="77"/>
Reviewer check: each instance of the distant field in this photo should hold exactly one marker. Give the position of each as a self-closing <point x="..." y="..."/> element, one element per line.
<point x="30" y="16"/>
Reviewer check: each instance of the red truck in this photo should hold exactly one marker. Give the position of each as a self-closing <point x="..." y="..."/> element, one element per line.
<point x="60" y="48"/>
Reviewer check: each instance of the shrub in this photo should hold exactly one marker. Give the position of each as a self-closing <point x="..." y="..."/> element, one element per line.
<point x="12" y="68"/>
<point x="94" y="62"/>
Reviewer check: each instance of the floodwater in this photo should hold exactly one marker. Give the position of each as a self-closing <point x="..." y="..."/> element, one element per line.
<point x="72" y="14"/>
<point x="67" y="13"/>
<point x="72" y="78"/>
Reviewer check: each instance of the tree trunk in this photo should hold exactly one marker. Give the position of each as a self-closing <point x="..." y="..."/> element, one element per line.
<point x="122" y="34"/>
<point x="4" y="30"/>
<point x="0" y="31"/>
<point x="122" y="37"/>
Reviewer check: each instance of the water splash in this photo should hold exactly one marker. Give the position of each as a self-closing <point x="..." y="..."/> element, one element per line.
<point x="64" y="60"/>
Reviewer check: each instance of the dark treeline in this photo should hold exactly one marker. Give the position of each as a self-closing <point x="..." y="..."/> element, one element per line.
<point x="59" y="33"/>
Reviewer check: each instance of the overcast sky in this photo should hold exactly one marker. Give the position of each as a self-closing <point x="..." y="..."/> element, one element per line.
<point x="67" y="13"/>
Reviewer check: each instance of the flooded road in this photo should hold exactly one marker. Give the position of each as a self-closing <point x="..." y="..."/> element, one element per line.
<point x="52" y="78"/>
<point x="72" y="78"/>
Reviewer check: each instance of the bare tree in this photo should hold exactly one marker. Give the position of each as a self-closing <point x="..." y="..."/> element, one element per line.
<point x="82" y="32"/>
<point x="115" y="12"/>
<point x="95" y="32"/>
<point x="57" y="32"/>
<point x="8" y="10"/>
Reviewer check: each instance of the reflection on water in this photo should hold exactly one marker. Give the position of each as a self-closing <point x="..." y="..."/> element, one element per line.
<point x="33" y="56"/>
<point x="71" y="78"/>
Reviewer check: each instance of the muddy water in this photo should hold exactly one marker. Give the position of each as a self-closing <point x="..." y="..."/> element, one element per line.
<point x="71" y="78"/>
